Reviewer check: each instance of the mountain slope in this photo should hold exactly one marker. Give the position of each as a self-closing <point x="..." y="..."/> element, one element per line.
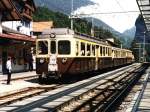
<point x="130" y="32"/>
<point x="63" y="5"/>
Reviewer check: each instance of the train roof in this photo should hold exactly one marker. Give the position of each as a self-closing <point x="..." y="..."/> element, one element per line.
<point x="67" y="31"/>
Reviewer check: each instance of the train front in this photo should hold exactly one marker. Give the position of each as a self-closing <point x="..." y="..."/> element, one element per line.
<point x="46" y="58"/>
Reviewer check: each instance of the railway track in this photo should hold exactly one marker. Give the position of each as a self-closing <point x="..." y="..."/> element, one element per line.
<point x="94" y="94"/>
<point x="137" y="93"/>
<point x="25" y="93"/>
<point x="104" y="96"/>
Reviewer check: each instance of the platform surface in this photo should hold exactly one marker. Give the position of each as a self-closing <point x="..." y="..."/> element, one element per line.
<point x="15" y="85"/>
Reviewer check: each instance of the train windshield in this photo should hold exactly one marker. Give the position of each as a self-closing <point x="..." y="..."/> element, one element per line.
<point x="64" y="47"/>
<point x="42" y="47"/>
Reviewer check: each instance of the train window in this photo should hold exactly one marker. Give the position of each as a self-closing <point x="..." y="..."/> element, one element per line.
<point x="77" y="48"/>
<point x="82" y="49"/>
<point x="103" y="51"/>
<point x="42" y="47"/>
<point x="88" y="49"/>
<point x="93" y="50"/>
<point x="106" y="50"/>
<point x="100" y="50"/>
<point x="53" y="47"/>
<point x="64" y="47"/>
<point x="109" y="52"/>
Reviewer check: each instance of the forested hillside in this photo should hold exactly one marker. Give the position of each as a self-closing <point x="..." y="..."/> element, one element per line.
<point x="61" y="21"/>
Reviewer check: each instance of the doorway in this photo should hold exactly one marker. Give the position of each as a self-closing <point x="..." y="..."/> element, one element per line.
<point x="4" y="60"/>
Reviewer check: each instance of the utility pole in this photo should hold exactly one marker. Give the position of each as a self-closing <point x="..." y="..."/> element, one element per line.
<point x="71" y="14"/>
<point x="92" y="28"/>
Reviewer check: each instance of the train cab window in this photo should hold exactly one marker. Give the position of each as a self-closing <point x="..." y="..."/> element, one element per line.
<point x="82" y="49"/>
<point x="42" y="47"/>
<point x="64" y="47"/>
<point x="53" y="47"/>
<point x="93" y="50"/>
<point x="88" y="50"/>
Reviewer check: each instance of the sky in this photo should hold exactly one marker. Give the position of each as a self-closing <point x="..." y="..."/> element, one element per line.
<point x="118" y="21"/>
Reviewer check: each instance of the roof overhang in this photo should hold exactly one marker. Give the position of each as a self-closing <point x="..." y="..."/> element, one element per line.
<point x="144" y="6"/>
<point x="17" y="37"/>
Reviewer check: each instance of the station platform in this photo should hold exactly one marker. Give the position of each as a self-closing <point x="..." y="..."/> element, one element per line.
<point x="144" y="105"/>
<point x="141" y="100"/>
<point x="15" y="85"/>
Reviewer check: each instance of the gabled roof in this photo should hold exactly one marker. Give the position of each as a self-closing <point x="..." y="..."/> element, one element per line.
<point x="144" y="6"/>
<point x="41" y="26"/>
<point x="9" y="11"/>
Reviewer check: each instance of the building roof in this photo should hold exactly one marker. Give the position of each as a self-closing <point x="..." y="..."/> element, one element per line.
<point x="41" y="26"/>
<point x="144" y="6"/>
<point x="9" y="11"/>
<point x="17" y="37"/>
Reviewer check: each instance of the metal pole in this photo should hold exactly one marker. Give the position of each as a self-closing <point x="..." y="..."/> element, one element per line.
<point x="71" y="14"/>
<point x="144" y="47"/>
<point x="139" y="51"/>
<point x="92" y="28"/>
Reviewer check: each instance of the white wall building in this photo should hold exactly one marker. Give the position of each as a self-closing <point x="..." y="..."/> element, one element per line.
<point x="11" y="42"/>
<point x="23" y="27"/>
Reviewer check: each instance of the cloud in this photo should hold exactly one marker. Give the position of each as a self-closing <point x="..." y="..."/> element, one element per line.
<point x="118" y="21"/>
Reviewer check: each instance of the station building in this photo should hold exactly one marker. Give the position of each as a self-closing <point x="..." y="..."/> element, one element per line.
<point x="15" y="36"/>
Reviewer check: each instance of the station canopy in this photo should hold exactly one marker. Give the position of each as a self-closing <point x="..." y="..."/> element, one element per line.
<point x="144" y="6"/>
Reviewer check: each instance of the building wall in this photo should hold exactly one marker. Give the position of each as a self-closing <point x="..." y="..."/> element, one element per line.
<point x="0" y="23"/>
<point x="18" y="54"/>
<point x="23" y="27"/>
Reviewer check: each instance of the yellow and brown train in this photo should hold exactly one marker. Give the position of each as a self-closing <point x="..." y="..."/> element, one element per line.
<point x="62" y="51"/>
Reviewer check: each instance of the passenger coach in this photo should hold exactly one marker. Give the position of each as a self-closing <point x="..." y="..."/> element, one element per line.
<point x="62" y="51"/>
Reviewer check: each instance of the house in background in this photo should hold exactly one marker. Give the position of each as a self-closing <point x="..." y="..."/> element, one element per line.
<point x="39" y="27"/>
<point x="26" y="9"/>
<point x="15" y="28"/>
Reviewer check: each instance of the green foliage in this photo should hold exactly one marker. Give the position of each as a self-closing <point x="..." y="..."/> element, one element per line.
<point x="80" y="25"/>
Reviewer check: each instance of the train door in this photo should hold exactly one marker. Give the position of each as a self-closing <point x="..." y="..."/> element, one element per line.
<point x="96" y="54"/>
<point x="53" y="57"/>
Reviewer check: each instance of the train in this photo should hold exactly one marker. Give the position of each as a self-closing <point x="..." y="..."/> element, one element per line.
<point x="62" y="51"/>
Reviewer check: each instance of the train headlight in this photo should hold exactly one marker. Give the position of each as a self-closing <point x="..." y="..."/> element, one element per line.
<point x="41" y="60"/>
<point x="64" y="60"/>
<point x="52" y="35"/>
